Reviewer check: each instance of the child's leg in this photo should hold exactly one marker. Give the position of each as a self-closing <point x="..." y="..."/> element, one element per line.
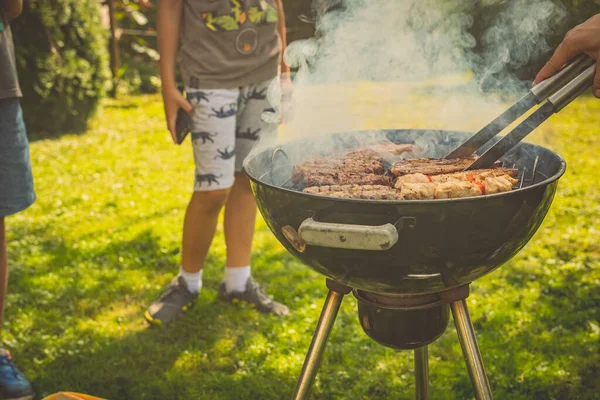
<point x="199" y="227"/>
<point x="239" y="223"/>
<point x="213" y="141"/>
<point x="240" y="210"/>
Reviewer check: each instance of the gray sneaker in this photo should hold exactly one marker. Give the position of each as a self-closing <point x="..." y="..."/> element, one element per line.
<point x="172" y="302"/>
<point x="256" y="296"/>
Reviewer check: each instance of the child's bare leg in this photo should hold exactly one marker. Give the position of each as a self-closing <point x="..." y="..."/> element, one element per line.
<point x="240" y="218"/>
<point x="199" y="227"/>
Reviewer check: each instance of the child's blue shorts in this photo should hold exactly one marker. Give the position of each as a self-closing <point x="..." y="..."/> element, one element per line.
<point x="16" y="180"/>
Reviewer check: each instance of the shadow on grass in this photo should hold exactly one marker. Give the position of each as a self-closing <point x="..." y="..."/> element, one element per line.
<point x="171" y="362"/>
<point x="121" y="106"/>
<point x="76" y="297"/>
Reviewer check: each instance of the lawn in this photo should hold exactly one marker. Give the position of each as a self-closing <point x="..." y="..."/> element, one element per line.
<point x="104" y="237"/>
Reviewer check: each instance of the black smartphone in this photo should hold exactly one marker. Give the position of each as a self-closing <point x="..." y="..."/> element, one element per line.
<point x="183" y="124"/>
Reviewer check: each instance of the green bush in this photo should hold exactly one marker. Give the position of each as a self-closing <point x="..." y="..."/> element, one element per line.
<point x="62" y="61"/>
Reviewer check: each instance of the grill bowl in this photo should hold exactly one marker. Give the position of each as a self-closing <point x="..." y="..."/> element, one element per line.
<point x="452" y="241"/>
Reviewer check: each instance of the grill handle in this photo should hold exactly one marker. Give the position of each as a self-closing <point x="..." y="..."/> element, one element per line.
<point x="350" y="237"/>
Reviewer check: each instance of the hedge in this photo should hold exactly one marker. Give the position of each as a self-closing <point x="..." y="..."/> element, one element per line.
<point x="62" y="61"/>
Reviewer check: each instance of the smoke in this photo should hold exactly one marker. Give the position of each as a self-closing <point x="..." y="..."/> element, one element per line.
<point x="384" y="64"/>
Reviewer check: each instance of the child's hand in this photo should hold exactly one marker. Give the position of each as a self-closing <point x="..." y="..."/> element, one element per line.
<point x="173" y="100"/>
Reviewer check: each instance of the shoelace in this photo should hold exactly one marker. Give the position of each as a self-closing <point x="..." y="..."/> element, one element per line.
<point x="173" y="289"/>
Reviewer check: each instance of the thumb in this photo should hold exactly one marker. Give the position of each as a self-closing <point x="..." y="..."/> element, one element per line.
<point x="597" y="80"/>
<point x="183" y="103"/>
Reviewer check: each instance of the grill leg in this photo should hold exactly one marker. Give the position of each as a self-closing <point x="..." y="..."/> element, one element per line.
<point x="468" y="342"/>
<point x="422" y="373"/>
<point x="319" y="340"/>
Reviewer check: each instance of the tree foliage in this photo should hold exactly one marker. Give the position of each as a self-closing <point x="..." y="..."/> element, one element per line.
<point x="62" y="63"/>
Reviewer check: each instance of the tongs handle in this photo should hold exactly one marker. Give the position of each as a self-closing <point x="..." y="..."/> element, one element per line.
<point x="555" y="103"/>
<point x="544" y="89"/>
<point x="536" y="95"/>
<point x="573" y="89"/>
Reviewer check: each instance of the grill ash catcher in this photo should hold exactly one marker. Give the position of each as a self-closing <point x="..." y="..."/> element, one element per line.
<point x="409" y="263"/>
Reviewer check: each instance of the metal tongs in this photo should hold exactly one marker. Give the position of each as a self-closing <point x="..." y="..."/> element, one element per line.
<point x="559" y="90"/>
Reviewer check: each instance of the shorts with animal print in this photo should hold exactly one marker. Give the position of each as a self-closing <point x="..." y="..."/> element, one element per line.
<point x="227" y="124"/>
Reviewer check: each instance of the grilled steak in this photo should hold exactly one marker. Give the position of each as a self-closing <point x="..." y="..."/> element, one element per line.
<point x="430" y="166"/>
<point x="348" y="166"/>
<point x="362" y="166"/>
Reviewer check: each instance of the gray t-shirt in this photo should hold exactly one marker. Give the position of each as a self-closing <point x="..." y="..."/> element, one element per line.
<point x="9" y="83"/>
<point x="229" y="43"/>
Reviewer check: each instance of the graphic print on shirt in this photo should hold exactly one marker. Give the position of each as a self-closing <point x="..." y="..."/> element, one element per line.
<point x="254" y="94"/>
<point x="249" y="134"/>
<point x="208" y="178"/>
<point x="245" y="16"/>
<point x="260" y="14"/>
<point x="225" y="112"/>
<point x="196" y="97"/>
<point x="204" y="136"/>
<point x="225" y="154"/>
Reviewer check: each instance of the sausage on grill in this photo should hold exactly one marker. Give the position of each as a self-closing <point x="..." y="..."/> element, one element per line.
<point x="430" y="166"/>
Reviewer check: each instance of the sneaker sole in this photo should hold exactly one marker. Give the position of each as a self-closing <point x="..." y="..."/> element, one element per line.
<point x="158" y="322"/>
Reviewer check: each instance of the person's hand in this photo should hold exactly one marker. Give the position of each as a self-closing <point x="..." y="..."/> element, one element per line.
<point x="584" y="38"/>
<point x="173" y="100"/>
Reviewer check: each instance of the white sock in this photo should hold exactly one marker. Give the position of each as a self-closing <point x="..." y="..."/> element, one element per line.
<point x="236" y="278"/>
<point x="192" y="279"/>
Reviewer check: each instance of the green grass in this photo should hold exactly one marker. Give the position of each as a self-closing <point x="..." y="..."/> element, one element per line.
<point x="104" y="236"/>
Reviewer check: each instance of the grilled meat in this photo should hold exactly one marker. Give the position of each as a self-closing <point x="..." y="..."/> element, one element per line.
<point x="300" y="172"/>
<point x="478" y="175"/>
<point x="452" y="189"/>
<point x="360" y="174"/>
<point x="389" y="194"/>
<point x="367" y="192"/>
<point x="343" y="168"/>
<point x="417" y="191"/>
<point x="430" y="166"/>
<point x="457" y="189"/>
<point x="344" y="188"/>
<point x="499" y="184"/>
<point x="344" y="178"/>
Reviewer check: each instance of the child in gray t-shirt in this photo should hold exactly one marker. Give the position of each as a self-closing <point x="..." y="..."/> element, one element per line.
<point x="231" y="51"/>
